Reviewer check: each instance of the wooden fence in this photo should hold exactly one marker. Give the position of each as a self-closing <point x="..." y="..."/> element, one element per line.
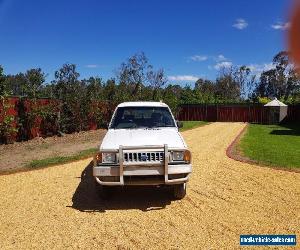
<point x="28" y="126"/>
<point x="293" y="113"/>
<point x="20" y="110"/>
<point x="233" y="113"/>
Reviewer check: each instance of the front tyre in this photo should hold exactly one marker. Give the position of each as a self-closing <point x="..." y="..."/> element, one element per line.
<point x="179" y="191"/>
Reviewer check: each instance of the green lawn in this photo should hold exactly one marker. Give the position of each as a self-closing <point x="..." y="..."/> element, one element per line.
<point x="62" y="159"/>
<point x="192" y="124"/>
<point x="276" y="145"/>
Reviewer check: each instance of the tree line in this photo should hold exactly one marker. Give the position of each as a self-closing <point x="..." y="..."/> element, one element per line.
<point x="136" y="79"/>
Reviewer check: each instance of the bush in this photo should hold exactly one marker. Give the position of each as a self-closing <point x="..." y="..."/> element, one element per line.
<point x="8" y="130"/>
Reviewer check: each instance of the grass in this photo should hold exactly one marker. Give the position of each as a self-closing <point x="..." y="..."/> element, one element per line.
<point x="192" y="124"/>
<point x="62" y="159"/>
<point x="275" y="145"/>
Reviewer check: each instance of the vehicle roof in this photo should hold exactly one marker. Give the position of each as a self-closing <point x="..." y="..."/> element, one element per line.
<point x="142" y="104"/>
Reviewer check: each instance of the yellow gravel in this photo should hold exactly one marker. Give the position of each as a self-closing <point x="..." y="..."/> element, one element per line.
<point x="57" y="208"/>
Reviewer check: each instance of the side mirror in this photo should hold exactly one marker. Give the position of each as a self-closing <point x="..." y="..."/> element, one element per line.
<point x="179" y="124"/>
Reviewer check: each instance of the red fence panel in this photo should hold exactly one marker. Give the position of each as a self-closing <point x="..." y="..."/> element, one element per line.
<point x="211" y="113"/>
<point x="40" y="117"/>
<point x="225" y="114"/>
<point x="293" y="113"/>
<point x="37" y="125"/>
<point x="233" y="113"/>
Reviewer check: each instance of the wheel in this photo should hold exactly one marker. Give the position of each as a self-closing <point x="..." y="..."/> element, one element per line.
<point x="179" y="191"/>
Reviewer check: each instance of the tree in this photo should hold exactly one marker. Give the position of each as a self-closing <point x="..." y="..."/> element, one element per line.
<point x="265" y="87"/>
<point x="189" y="96"/>
<point x="206" y="90"/>
<point x="66" y="80"/>
<point x="227" y="87"/>
<point x="34" y="79"/>
<point x="7" y="121"/>
<point x="133" y="73"/>
<point x="122" y="93"/>
<point x="171" y="96"/>
<point x="136" y="73"/>
<point x="282" y="81"/>
<point x="94" y="87"/>
<point x="94" y="100"/>
<point x="147" y="93"/>
<point x="16" y="84"/>
<point x="48" y="90"/>
<point x="27" y="84"/>
<point x="156" y="79"/>
<point x="3" y="87"/>
<point x="245" y="80"/>
<point x="110" y="90"/>
<point x="287" y="78"/>
<point x="72" y="94"/>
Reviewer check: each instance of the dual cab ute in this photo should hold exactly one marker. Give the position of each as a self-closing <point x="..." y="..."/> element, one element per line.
<point x="143" y="147"/>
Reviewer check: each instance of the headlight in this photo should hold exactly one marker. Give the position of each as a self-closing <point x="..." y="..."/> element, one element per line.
<point x="105" y="158"/>
<point x="182" y="156"/>
<point x="177" y="155"/>
<point x="109" y="157"/>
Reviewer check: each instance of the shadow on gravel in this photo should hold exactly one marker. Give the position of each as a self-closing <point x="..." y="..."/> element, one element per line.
<point x="86" y="199"/>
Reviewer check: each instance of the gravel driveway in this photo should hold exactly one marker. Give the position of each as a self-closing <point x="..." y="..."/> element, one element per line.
<point x="57" y="208"/>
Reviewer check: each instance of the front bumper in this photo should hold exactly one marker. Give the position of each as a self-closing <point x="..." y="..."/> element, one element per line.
<point x="143" y="175"/>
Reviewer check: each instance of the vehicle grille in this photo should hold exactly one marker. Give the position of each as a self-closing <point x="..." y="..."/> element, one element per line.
<point x="143" y="157"/>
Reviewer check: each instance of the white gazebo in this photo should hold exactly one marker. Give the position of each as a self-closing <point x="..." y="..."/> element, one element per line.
<point x="278" y="110"/>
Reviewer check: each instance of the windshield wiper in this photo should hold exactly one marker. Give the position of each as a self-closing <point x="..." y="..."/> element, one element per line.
<point x="164" y="126"/>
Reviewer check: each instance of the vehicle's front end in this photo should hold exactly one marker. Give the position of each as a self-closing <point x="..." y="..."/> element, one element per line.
<point x="144" y="154"/>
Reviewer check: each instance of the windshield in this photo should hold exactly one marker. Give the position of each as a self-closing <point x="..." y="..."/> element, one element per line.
<point x="142" y="117"/>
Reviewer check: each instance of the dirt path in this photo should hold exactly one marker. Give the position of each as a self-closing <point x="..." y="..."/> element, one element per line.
<point x="56" y="208"/>
<point x="40" y="148"/>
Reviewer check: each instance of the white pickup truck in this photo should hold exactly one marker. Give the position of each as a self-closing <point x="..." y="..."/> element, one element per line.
<point x="143" y="147"/>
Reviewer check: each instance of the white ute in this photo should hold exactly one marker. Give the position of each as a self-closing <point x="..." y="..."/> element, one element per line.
<point x="143" y="147"/>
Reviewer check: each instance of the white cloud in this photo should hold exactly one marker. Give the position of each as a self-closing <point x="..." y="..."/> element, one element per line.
<point x="188" y="78"/>
<point x="258" y="68"/>
<point x="92" y="66"/>
<point x="225" y="64"/>
<point x="281" y="26"/>
<point x="240" y="24"/>
<point x="201" y="58"/>
<point x="221" y="58"/>
<point x="198" y="58"/>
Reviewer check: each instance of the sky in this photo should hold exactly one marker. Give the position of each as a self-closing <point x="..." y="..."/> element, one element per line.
<point x="189" y="39"/>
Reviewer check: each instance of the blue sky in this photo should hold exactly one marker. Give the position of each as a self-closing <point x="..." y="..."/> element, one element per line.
<point x="189" y="39"/>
